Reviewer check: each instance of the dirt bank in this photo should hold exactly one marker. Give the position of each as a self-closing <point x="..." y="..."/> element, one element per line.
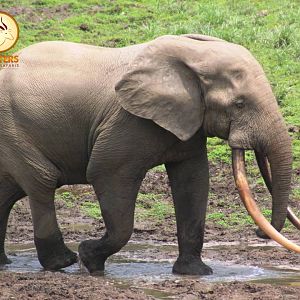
<point x="76" y="208"/>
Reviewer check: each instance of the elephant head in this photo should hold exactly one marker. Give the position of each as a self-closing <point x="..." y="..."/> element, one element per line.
<point x="184" y="83"/>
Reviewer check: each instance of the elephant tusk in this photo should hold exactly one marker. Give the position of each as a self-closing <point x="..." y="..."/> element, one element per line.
<point x="293" y="218"/>
<point x="265" y="171"/>
<point x="239" y="172"/>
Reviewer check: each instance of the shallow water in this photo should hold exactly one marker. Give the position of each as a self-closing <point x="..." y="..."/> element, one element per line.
<point x="138" y="261"/>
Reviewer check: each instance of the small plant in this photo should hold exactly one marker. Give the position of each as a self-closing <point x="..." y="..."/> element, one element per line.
<point x="296" y="193"/>
<point x="218" y="150"/>
<point x="215" y="216"/>
<point x="91" y="209"/>
<point x="153" y="206"/>
<point x="283" y="38"/>
<point x="160" y="210"/>
<point x="231" y="220"/>
<point x="159" y="169"/>
<point x="67" y="197"/>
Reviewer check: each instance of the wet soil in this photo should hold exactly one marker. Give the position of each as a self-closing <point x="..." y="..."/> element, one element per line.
<point x="47" y="285"/>
<point x="225" y="243"/>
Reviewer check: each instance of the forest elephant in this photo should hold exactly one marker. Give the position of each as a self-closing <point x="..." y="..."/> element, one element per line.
<point x="80" y="114"/>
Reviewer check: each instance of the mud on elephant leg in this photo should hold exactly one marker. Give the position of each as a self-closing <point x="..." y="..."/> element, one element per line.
<point x="117" y="203"/>
<point x="52" y="252"/>
<point x="9" y="194"/>
<point x="189" y="183"/>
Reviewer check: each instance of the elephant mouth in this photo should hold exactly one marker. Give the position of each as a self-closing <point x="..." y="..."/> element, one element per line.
<point x="239" y="172"/>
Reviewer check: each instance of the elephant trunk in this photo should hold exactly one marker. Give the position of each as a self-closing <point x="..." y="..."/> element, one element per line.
<point x="279" y="154"/>
<point x="265" y="171"/>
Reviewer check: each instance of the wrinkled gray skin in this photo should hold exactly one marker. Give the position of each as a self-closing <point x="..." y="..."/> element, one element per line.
<point x="74" y="113"/>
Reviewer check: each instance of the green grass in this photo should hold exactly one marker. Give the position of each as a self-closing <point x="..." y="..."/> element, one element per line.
<point x="153" y="206"/>
<point x="218" y="150"/>
<point x="234" y="219"/>
<point x="238" y="219"/>
<point x="67" y="197"/>
<point x="159" y="169"/>
<point x="70" y="199"/>
<point x="91" y="209"/>
<point x="296" y="193"/>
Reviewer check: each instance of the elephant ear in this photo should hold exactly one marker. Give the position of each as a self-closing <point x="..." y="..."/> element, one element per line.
<point x="161" y="86"/>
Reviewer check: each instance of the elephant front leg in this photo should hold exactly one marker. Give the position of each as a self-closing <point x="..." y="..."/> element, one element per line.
<point x="189" y="183"/>
<point x="117" y="194"/>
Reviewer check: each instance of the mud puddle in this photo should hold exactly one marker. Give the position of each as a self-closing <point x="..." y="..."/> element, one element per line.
<point x="153" y="262"/>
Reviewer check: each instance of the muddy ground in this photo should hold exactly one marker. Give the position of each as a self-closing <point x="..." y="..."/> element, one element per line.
<point x="76" y="226"/>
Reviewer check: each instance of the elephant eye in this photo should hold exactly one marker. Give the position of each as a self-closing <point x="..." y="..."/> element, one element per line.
<point x="240" y="103"/>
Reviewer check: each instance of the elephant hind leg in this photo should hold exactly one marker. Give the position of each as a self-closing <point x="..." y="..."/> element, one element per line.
<point x="52" y="252"/>
<point x="10" y="193"/>
<point x="38" y="177"/>
<point x="117" y="194"/>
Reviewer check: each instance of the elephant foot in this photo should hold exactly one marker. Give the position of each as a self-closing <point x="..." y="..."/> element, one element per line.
<point x="191" y="265"/>
<point x="261" y="234"/>
<point x="53" y="253"/>
<point x="90" y="257"/>
<point x="4" y="260"/>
